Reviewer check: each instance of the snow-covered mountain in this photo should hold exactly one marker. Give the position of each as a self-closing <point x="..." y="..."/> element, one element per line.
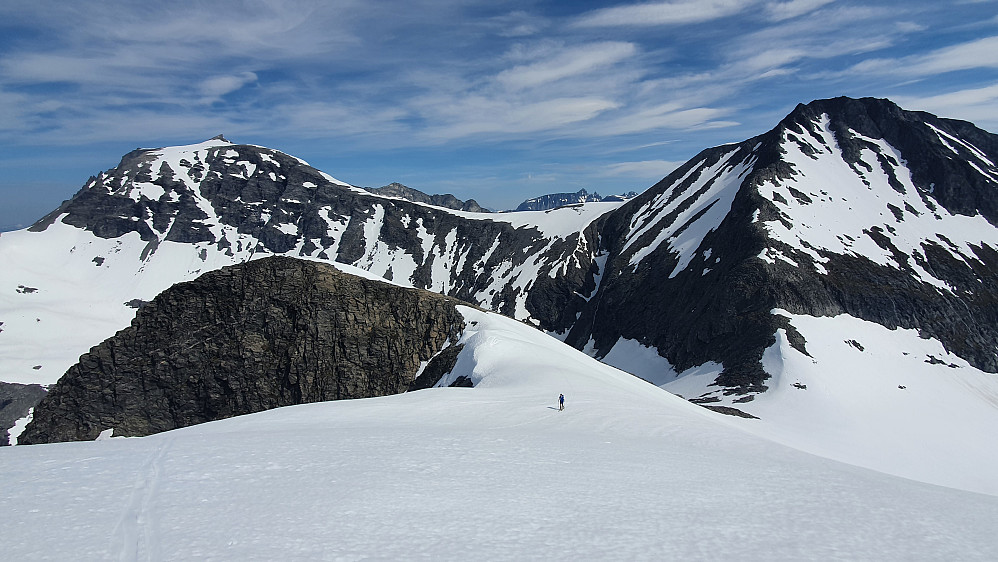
<point x="835" y="274"/>
<point x="163" y="216"/>
<point x="555" y="200"/>
<point x="847" y="207"/>
<point x="495" y="472"/>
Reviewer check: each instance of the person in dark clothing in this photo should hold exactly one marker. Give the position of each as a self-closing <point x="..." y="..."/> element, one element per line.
<point x="561" y="402"/>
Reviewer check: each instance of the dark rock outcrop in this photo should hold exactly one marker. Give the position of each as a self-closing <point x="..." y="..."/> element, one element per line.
<point x="268" y="333"/>
<point x="16" y="400"/>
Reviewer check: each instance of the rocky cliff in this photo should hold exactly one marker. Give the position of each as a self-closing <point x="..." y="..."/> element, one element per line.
<point x="269" y="333"/>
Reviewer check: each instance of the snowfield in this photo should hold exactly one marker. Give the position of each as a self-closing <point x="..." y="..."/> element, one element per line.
<point x="626" y="472"/>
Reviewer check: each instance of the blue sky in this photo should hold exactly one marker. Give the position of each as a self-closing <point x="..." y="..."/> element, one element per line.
<point x="492" y="100"/>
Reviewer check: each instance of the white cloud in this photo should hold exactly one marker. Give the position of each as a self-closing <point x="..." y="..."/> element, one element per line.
<point x="218" y="86"/>
<point x="663" y="13"/>
<point x="567" y="63"/>
<point x="978" y="105"/>
<point x="910" y="27"/>
<point x="665" y="116"/>
<point x="979" y="53"/>
<point x="518" y="24"/>
<point x="645" y="169"/>
<point x="471" y="115"/>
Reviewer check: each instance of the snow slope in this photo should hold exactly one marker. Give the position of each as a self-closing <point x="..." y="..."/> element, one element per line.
<point x="884" y="399"/>
<point x="59" y="301"/>
<point x="495" y="472"/>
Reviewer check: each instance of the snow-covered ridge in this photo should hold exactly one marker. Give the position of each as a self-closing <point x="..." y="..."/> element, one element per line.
<point x="684" y="212"/>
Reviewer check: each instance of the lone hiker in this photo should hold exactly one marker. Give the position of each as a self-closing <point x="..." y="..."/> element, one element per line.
<point x="561" y="402"/>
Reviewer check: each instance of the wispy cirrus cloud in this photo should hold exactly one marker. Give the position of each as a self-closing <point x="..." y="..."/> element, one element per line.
<point x="566" y="63"/>
<point x="979" y="105"/>
<point x="675" y="12"/>
<point x="217" y="86"/>
<point x="779" y="11"/>
<point x="979" y="53"/>
<point x="543" y="80"/>
<point x="645" y="169"/>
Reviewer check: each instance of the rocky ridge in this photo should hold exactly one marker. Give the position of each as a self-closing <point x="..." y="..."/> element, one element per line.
<point x="447" y="200"/>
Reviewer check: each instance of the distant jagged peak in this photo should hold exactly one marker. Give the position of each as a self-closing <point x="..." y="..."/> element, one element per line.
<point x="555" y="200"/>
<point x="448" y="201"/>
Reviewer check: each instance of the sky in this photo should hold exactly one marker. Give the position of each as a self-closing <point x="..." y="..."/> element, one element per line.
<point x="494" y="100"/>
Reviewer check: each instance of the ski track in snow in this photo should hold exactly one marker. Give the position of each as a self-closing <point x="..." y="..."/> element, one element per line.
<point x="137" y="531"/>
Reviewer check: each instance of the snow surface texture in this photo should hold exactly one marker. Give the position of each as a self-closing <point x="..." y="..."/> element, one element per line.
<point x="627" y="471"/>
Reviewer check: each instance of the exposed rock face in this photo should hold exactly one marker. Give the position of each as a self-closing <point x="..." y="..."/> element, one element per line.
<point x="447" y="200"/>
<point x="16" y="400"/>
<point x="268" y="333"/>
<point x="243" y="201"/>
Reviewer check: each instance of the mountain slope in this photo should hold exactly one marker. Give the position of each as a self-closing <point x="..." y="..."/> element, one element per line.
<point x="821" y="216"/>
<point x="491" y="472"/>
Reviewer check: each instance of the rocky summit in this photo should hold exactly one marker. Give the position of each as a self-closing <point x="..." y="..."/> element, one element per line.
<point x="555" y="200"/>
<point x="269" y="333"/>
